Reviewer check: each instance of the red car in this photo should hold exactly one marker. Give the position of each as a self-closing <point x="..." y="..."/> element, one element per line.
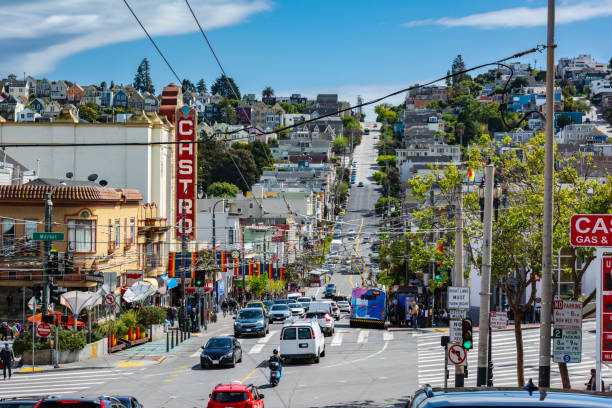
<point x="235" y="395"/>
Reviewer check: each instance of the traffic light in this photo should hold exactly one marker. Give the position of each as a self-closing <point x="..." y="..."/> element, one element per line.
<point x="199" y="280"/>
<point x="68" y="263"/>
<point x="37" y="293"/>
<point x="466" y="333"/>
<point x="53" y="262"/>
<point x="54" y="294"/>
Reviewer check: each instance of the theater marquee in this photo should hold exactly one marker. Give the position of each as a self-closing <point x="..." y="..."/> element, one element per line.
<point x="186" y="170"/>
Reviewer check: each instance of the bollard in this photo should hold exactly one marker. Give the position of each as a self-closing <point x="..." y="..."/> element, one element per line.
<point x="182" y="335"/>
<point x="189" y="334"/>
<point x="172" y="338"/>
<point x="167" y="341"/>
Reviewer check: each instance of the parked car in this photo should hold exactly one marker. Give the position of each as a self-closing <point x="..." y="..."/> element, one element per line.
<point x="235" y="395"/>
<point x="100" y="402"/>
<point x="528" y="396"/>
<point x="220" y="351"/>
<point x="296" y="309"/>
<point x="324" y="320"/>
<point x="302" y="340"/>
<point x="279" y="312"/>
<point x="129" y="401"/>
<point x="251" y="320"/>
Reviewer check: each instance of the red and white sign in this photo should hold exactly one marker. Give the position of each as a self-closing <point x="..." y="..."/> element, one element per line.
<point x="110" y="299"/>
<point x="186" y="170"/>
<point x="605" y="309"/>
<point x="591" y="230"/>
<point x="567" y="314"/>
<point x="457" y="354"/>
<point x="499" y="320"/>
<point x="43" y="330"/>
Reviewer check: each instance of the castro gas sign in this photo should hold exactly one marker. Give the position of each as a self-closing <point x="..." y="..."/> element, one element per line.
<point x="591" y="230"/>
<point x="186" y="170"/>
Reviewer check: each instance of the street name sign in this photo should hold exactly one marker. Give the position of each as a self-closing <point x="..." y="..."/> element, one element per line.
<point x="48" y="236"/>
<point x="43" y="330"/>
<point x="567" y="314"/>
<point x="567" y="346"/>
<point x="457" y="354"/>
<point x="456" y="336"/>
<point x="591" y="230"/>
<point x="499" y="320"/>
<point x="458" y="297"/>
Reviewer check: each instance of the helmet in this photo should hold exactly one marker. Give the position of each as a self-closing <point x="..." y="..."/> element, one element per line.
<point x="275" y="352"/>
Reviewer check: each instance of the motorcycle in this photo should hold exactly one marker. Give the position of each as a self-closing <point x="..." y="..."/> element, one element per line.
<point x="275" y="373"/>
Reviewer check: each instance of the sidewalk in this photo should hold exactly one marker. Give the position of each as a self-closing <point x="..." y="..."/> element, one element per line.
<point x="145" y="354"/>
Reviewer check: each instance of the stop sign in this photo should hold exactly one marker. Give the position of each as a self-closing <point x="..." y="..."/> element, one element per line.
<point x="43" y="330"/>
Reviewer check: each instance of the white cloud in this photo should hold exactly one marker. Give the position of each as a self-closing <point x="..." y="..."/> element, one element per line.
<point x="565" y="13"/>
<point x="36" y="35"/>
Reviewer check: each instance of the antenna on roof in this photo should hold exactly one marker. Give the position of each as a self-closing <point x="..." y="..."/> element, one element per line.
<point x="92" y="177"/>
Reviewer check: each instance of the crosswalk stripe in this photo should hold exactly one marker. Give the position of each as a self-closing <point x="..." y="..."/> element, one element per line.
<point x="76" y="386"/>
<point x="256" y="348"/>
<point x="197" y="353"/>
<point x="28" y="394"/>
<point x="387" y="336"/>
<point x="363" y="336"/>
<point x="72" y="374"/>
<point x="266" y="339"/>
<point x="337" y="339"/>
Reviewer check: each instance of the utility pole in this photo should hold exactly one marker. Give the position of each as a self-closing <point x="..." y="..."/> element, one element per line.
<point x="47" y="252"/>
<point x="547" y="230"/>
<point x="459" y="281"/>
<point x="485" y="285"/>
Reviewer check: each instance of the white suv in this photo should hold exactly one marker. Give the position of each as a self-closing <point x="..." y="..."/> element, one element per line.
<point x="325" y="321"/>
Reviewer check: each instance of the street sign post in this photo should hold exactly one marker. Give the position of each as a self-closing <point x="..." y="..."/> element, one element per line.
<point x="499" y="320"/>
<point x="455" y="332"/>
<point x="457" y="314"/>
<point x="43" y="330"/>
<point x="110" y="299"/>
<point x="567" y="314"/>
<point x="48" y="236"/>
<point x="458" y="297"/>
<point x="457" y="354"/>
<point x="567" y="346"/>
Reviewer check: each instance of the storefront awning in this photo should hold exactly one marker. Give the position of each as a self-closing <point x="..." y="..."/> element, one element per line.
<point x="152" y="281"/>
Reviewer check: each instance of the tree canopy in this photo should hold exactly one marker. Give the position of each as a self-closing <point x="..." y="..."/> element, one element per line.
<point x="222" y="88"/>
<point x="222" y="189"/>
<point x="187" y="85"/>
<point x="142" y="79"/>
<point x="201" y="85"/>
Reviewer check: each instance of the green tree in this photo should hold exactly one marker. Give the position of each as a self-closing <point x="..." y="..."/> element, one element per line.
<point x="222" y="189"/>
<point x="88" y="113"/>
<point x="187" y="85"/>
<point x="272" y="142"/>
<point x="201" y="85"/>
<point x="261" y="154"/>
<point x="457" y="66"/>
<point x="142" y="79"/>
<point x="448" y="79"/>
<point x="112" y="84"/>
<point x="268" y="92"/>
<point x="392" y="183"/>
<point x="257" y="284"/>
<point x="519" y="83"/>
<point x="226" y="113"/>
<point x="288" y="108"/>
<point x="340" y="144"/>
<point x="383" y="161"/>
<point x="224" y="89"/>
<point x="103" y="84"/>
<point x="564" y="120"/>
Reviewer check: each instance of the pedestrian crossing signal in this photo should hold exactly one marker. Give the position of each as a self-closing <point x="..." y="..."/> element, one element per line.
<point x="466" y="333"/>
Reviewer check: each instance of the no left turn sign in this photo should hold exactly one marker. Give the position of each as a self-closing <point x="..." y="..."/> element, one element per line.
<point x="110" y="299"/>
<point x="456" y="354"/>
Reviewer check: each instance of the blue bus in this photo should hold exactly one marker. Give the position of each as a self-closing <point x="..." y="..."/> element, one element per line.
<point x="368" y="306"/>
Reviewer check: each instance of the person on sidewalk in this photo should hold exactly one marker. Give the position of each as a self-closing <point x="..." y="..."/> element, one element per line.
<point x="7" y="357"/>
<point x="414" y="314"/>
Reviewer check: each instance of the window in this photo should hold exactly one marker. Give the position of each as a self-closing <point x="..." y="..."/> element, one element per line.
<point x="230" y="236"/>
<point x="304" y="333"/>
<point x="81" y="235"/>
<point x="289" y="333"/>
<point x="132" y="230"/>
<point x="117" y="232"/>
<point x="8" y="233"/>
<point x="152" y="255"/>
<point x="110" y="233"/>
<point x="29" y="229"/>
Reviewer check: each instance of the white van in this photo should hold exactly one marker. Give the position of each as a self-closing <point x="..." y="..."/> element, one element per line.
<point x="321" y="306"/>
<point x="294" y="296"/>
<point x="302" y="340"/>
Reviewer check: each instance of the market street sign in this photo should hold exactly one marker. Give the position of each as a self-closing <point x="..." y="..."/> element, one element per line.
<point x="499" y="320"/>
<point x="186" y="170"/>
<point x="567" y="346"/>
<point x="458" y="297"/>
<point x="48" y="236"/>
<point x="591" y="230"/>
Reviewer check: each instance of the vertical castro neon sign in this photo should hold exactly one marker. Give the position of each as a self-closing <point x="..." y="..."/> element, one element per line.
<point x="186" y="170"/>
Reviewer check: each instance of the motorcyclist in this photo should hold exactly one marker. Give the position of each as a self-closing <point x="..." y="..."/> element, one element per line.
<point x="275" y="358"/>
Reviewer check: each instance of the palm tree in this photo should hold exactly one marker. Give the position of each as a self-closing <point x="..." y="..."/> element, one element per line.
<point x="267" y="92"/>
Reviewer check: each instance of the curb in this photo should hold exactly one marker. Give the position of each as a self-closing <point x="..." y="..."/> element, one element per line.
<point x="50" y="368"/>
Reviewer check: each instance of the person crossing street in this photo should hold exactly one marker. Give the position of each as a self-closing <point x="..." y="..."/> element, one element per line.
<point x="7" y="357"/>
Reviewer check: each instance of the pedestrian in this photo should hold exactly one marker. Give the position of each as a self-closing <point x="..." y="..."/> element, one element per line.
<point x="414" y="314"/>
<point x="7" y="357"/>
<point x="224" y="307"/>
<point x="591" y="383"/>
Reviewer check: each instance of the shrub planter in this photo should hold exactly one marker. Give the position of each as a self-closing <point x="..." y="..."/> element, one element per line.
<point x="46" y="357"/>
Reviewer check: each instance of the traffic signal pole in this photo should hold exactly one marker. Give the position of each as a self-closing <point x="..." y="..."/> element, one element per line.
<point x="485" y="283"/>
<point x="459" y="279"/>
<point x="47" y="252"/>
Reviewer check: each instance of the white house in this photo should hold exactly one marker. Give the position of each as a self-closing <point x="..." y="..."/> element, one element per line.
<point x="27" y="115"/>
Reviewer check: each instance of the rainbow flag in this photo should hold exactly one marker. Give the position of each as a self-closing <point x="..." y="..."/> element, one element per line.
<point x="282" y="273"/>
<point x="258" y="269"/>
<point x="270" y="271"/>
<point x="250" y="267"/>
<point x="171" y="264"/>
<point x="223" y="261"/>
<point x="236" y="273"/>
<point x="472" y="177"/>
<point x="194" y="264"/>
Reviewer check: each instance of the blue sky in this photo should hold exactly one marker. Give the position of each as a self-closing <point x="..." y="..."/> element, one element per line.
<point x="351" y="47"/>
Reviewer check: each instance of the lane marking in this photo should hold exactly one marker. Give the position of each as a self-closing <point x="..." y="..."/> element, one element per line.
<point x="257" y="348"/>
<point x="337" y="339"/>
<point x="387" y="336"/>
<point x="248" y="375"/>
<point x="363" y="336"/>
<point x="130" y="364"/>
<point x="382" y="350"/>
